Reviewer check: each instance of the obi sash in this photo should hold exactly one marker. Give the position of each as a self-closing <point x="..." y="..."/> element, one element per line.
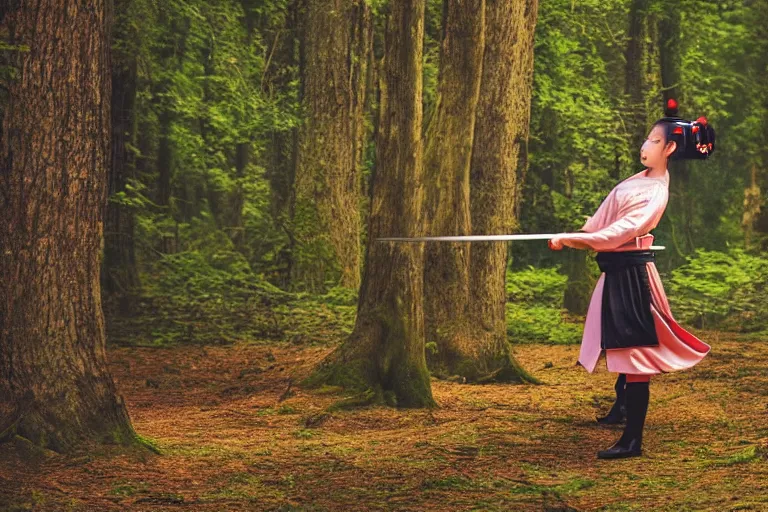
<point x="626" y="319"/>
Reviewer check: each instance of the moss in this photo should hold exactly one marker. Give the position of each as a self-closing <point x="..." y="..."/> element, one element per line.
<point x="126" y="437"/>
<point x="403" y="374"/>
<point x="510" y="371"/>
<point x="411" y="387"/>
<point x="333" y="372"/>
<point x="148" y="443"/>
<point x="501" y="369"/>
<point x="29" y="450"/>
<point x="368" y="397"/>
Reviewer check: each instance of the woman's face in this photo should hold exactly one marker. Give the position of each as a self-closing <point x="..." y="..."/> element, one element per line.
<point x="655" y="150"/>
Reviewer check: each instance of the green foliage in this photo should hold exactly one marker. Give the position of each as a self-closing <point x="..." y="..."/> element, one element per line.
<point x="531" y="324"/>
<point x="532" y="285"/>
<point x="535" y="308"/>
<point x="200" y="296"/>
<point x="721" y="290"/>
<point x="340" y="296"/>
<point x="578" y="133"/>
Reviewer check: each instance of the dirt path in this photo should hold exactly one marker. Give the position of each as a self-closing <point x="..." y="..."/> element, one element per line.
<point x="236" y="436"/>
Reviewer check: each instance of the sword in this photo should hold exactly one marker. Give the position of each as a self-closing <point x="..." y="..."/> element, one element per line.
<point x="483" y="238"/>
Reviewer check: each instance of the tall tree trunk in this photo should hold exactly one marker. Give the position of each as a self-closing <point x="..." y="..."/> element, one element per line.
<point x="752" y="210"/>
<point x="499" y="163"/>
<point x="446" y="174"/>
<point x="55" y="154"/>
<point x="757" y="211"/>
<point x="236" y="200"/>
<point x="385" y="352"/>
<point x="326" y="216"/>
<point x="208" y="137"/>
<point x="120" y="275"/>
<point x="164" y="157"/>
<point x="581" y="282"/>
<point x="278" y="157"/>
<point x="681" y="204"/>
<point x="635" y="84"/>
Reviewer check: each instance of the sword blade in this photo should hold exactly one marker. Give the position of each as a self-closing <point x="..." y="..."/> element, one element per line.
<point x="467" y="238"/>
<point x="483" y="238"/>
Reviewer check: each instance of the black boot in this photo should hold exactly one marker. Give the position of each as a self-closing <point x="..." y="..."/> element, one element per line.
<point x="630" y="443"/>
<point x="618" y="413"/>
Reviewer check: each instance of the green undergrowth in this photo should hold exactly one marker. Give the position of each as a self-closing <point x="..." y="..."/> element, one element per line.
<point x="212" y="296"/>
<point x="534" y="309"/>
<point x="196" y="297"/>
<point x="722" y="290"/>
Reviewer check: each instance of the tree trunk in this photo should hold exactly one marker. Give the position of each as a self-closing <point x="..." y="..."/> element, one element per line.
<point x="635" y="83"/>
<point x="446" y="174"/>
<point x="385" y="352"/>
<point x="164" y="158"/>
<point x="499" y="161"/>
<point x="236" y="201"/>
<point x="752" y="209"/>
<point x="756" y="207"/>
<point x="681" y="204"/>
<point x="326" y="215"/>
<point x="278" y="157"/>
<point x="120" y="275"/>
<point x="581" y="282"/>
<point x="55" y="154"/>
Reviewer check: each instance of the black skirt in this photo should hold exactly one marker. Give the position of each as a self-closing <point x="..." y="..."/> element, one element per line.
<point x="626" y="310"/>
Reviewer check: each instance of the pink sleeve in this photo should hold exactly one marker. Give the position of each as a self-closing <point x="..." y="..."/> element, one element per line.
<point x="638" y="221"/>
<point x="594" y="220"/>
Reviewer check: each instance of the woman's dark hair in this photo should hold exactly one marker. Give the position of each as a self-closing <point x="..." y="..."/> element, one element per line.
<point x="695" y="139"/>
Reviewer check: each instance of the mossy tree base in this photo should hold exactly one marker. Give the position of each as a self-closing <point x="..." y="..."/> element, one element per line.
<point x="371" y="380"/>
<point x="496" y="365"/>
<point x="63" y="429"/>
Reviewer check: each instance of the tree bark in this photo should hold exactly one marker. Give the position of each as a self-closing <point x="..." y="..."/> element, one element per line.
<point x="681" y="204"/>
<point x="385" y="352"/>
<point x="55" y="154"/>
<point x="446" y="173"/>
<point x="581" y="282"/>
<point x="635" y="80"/>
<point x="757" y="211"/>
<point x="164" y="158"/>
<point x="120" y="275"/>
<point x="326" y="215"/>
<point x="498" y="167"/>
<point x="236" y="200"/>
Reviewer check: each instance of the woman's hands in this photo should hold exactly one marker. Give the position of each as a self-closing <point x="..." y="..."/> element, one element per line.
<point x="555" y="243"/>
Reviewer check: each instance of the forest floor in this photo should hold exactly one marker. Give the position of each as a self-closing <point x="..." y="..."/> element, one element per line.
<point x="237" y="434"/>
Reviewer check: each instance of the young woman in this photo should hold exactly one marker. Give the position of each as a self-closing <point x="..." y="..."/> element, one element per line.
<point x="629" y="317"/>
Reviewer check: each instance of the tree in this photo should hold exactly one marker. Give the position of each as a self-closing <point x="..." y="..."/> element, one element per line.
<point x="499" y="161"/>
<point x="326" y="214"/>
<point x="636" y="83"/>
<point x="446" y="172"/>
<point x="681" y="207"/>
<point x="755" y="217"/>
<point x="119" y="272"/>
<point x="55" y="154"/>
<point x="385" y="352"/>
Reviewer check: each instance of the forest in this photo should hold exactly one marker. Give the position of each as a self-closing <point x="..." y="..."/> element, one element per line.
<point x="195" y="312"/>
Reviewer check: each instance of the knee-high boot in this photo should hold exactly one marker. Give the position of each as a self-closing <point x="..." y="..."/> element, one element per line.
<point x="630" y="443"/>
<point x="618" y="411"/>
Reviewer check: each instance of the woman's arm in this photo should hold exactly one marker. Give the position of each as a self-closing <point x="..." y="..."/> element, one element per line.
<point x="640" y="219"/>
<point x="594" y="220"/>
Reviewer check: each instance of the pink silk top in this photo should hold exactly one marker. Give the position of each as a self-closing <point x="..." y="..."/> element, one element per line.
<point x="621" y="223"/>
